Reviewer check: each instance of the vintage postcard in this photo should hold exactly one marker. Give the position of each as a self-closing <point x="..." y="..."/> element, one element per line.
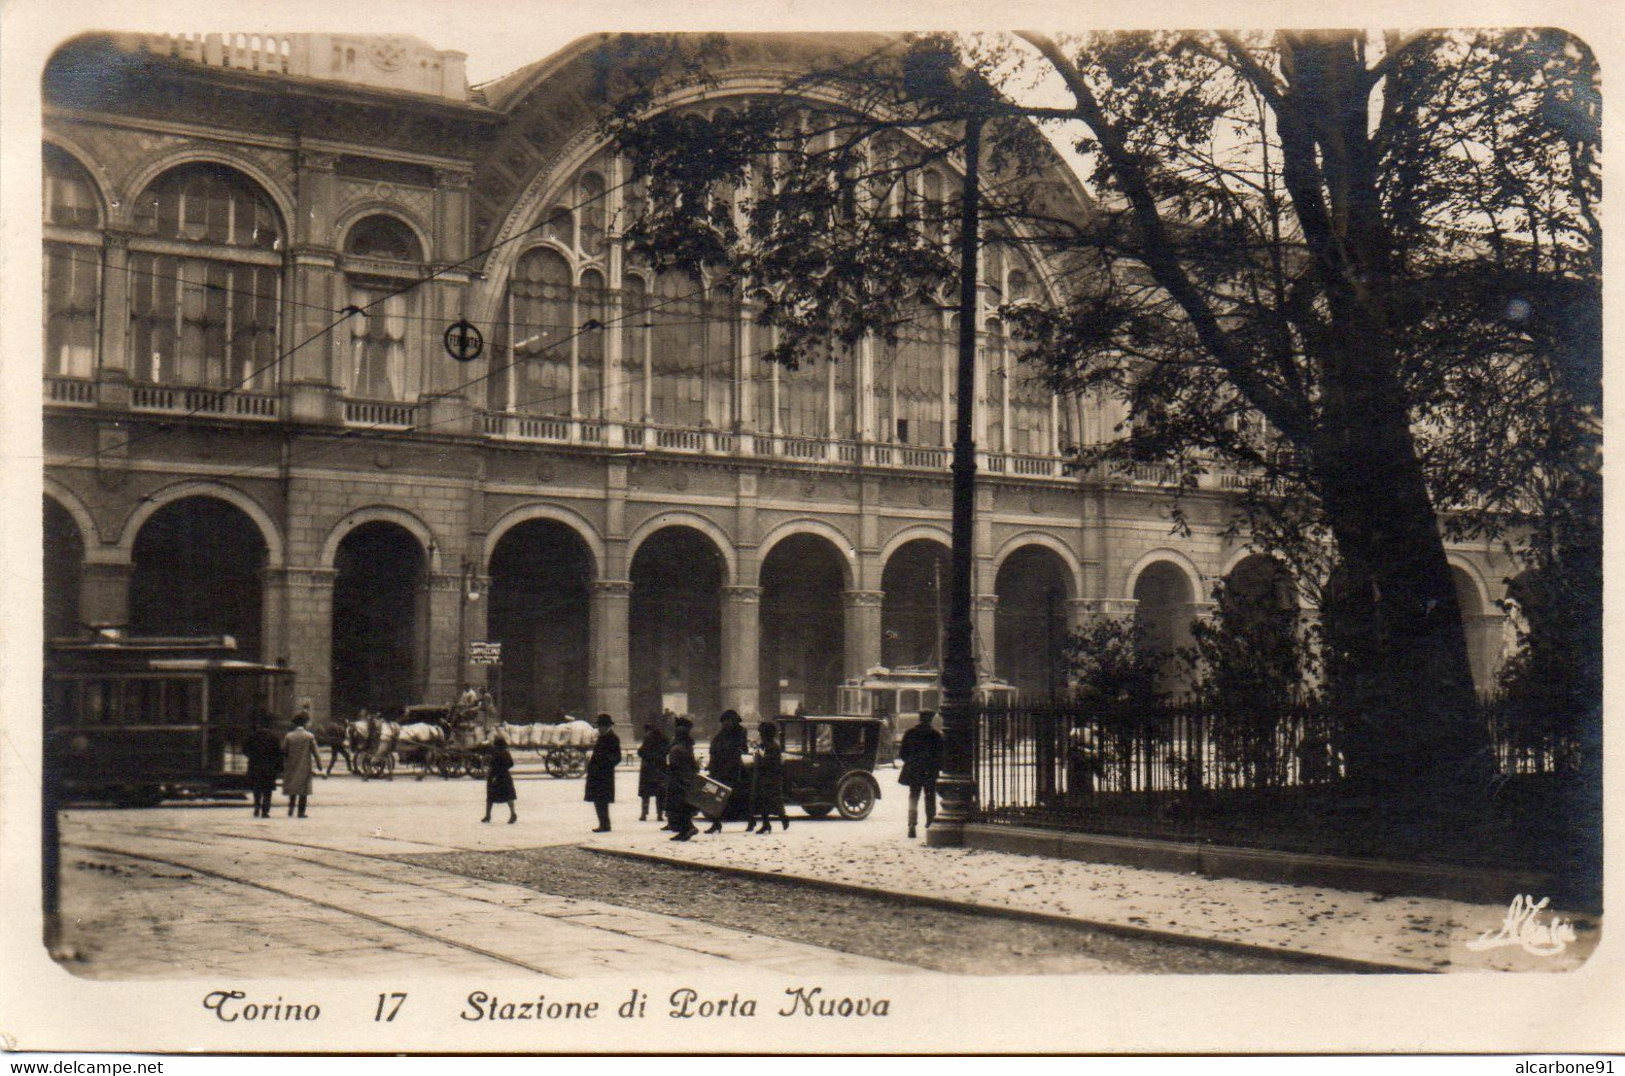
<point x="766" y="530"/>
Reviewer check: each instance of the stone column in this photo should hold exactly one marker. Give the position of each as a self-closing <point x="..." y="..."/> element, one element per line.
<point x="984" y="619"/>
<point x="862" y="624"/>
<point x="115" y="311"/>
<point x="104" y="592"/>
<point x="1484" y="632"/>
<point x="307" y="594"/>
<point x="610" y="679"/>
<point x="442" y="662"/>
<point x="741" y="651"/>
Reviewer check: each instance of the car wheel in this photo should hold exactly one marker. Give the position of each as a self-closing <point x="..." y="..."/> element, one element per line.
<point x="818" y="810"/>
<point x="854" y="797"/>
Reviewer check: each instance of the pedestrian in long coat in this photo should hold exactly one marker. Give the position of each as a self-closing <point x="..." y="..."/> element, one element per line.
<point x="767" y="781"/>
<point x="606" y="755"/>
<point x="681" y="772"/>
<point x="652" y="771"/>
<point x="264" y="753"/>
<point x="921" y="752"/>
<point x="299" y="763"/>
<point x="499" y="780"/>
<point x="726" y="764"/>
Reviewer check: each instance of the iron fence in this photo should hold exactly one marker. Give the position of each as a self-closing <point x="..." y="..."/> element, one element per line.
<point x="1172" y="769"/>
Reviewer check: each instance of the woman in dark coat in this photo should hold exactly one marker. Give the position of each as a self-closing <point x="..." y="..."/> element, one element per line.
<point x="767" y="781"/>
<point x="499" y="780"/>
<point x="264" y="753"/>
<point x="652" y="771"/>
<point x="727" y="765"/>
<point x="606" y="755"/>
<point x="921" y="752"/>
<point x="681" y="770"/>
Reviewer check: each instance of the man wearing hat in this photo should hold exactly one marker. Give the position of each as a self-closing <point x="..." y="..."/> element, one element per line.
<point x="681" y="770"/>
<point x="606" y="755"/>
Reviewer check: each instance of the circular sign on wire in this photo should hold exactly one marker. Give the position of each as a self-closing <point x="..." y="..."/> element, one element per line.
<point x="464" y="342"/>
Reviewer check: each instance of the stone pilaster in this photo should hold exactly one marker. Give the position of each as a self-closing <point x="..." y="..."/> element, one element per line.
<point x="104" y="593"/>
<point x="861" y="609"/>
<point x="741" y="651"/>
<point x="610" y="678"/>
<point x="306" y="595"/>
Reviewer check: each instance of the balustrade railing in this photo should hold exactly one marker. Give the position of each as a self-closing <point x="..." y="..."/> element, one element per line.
<point x="216" y="403"/>
<point x="70" y="391"/>
<point x="383" y="414"/>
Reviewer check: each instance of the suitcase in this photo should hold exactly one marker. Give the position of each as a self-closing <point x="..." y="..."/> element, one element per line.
<point x="709" y="797"/>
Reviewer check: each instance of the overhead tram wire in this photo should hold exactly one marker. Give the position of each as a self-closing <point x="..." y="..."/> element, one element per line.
<point x="352" y="432"/>
<point x="377" y="431"/>
<point x="348" y="313"/>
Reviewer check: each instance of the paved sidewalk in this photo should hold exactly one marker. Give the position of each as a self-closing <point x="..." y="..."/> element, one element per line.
<point x="1411" y="933"/>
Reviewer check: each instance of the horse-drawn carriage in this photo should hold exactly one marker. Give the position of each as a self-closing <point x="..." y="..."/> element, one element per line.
<point x="437" y="739"/>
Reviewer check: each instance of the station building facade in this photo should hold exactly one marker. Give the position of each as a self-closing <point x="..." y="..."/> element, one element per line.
<point x="252" y="249"/>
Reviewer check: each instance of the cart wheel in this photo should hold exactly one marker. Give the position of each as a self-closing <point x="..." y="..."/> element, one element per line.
<point x="478" y="766"/>
<point x="448" y="765"/>
<point x="854" y="797"/>
<point x="578" y="763"/>
<point x="557" y="764"/>
<point x="818" y="810"/>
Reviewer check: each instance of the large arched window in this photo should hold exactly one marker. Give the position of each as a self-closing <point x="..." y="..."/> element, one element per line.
<point x="382" y="261"/>
<point x="908" y="382"/>
<point x="677" y="359"/>
<point x="205" y="274"/>
<point x="72" y="217"/>
<point x="541" y="326"/>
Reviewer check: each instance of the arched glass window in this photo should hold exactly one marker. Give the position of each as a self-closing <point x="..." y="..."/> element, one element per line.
<point x="592" y="214"/>
<point x="206" y="316"/>
<point x="72" y="266"/>
<point x="592" y="308"/>
<point x="383" y="236"/>
<point x="383" y="363"/>
<point x="912" y="383"/>
<point x="635" y="347"/>
<point x="993" y="361"/>
<point x="540" y="305"/>
<point x="677" y="359"/>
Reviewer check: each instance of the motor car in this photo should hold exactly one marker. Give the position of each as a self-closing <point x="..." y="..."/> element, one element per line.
<point x="829" y="764"/>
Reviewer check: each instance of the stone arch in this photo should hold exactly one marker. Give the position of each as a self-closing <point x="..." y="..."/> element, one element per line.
<point x="374" y="207"/>
<point x="105" y="191"/>
<point x="1054" y="545"/>
<point x="1193" y="575"/>
<point x="381" y="513"/>
<point x="677" y="518"/>
<point x="558" y="514"/>
<point x="199" y="488"/>
<point x="843" y="545"/>
<point x="1475" y="578"/>
<point x="144" y="174"/>
<point x="89" y="533"/>
<point x="527" y="216"/>
<point x="908" y="534"/>
<point x="1033" y="584"/>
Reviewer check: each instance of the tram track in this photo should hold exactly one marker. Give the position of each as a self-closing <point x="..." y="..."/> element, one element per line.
<point x="631" y="936"/>
<point x="423" y="935"/>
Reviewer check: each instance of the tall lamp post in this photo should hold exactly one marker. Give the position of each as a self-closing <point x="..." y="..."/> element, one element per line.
<point x="958" y="785"/>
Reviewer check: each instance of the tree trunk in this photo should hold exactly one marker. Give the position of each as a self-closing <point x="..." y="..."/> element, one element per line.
<point x="1407" y="690"/>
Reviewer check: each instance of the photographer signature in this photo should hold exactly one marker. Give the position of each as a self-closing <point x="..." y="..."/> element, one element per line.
<point x="1522" y="926"/>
